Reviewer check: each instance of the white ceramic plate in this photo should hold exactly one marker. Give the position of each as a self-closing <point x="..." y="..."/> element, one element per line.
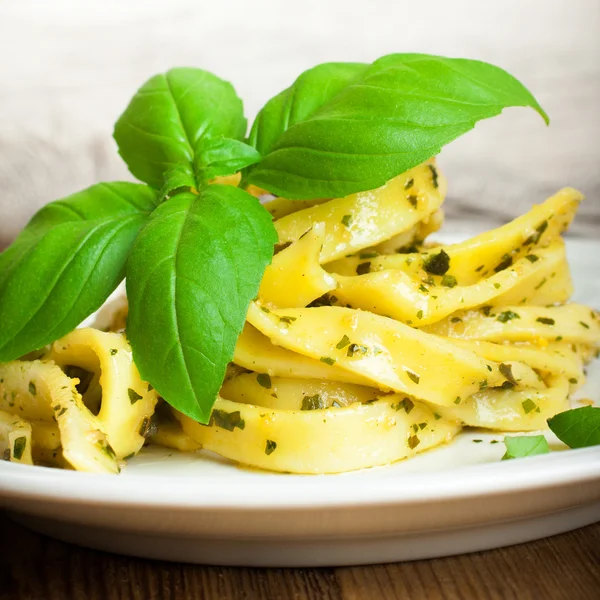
<point x="200" y="508"/>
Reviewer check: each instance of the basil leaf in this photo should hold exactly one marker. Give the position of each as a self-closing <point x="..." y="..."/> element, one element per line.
<point x="400" y="112"/>
<point x="192" y="273"/>
<point x="66" y="262"/>
<point x="223" y="156"/>
<point x="309" y="92"/>
<point x="525" y="445"/>
<point x="167" y="118"/>
<point x="577" y="428"/>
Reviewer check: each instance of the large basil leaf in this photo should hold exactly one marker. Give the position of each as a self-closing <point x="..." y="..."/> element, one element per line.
<point x="309" y="92"/>
<point x="400" y="112"/>
<point x="192" y="273"/>
<point x="66" y="262"/>
<point x="577" y="428"/>
<point x="167" y="118"/>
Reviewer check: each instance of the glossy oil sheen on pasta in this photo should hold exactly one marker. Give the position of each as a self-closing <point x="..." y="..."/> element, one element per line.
<point x="367" y="344"/>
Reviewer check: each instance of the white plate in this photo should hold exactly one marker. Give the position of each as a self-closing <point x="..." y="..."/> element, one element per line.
<point x="199" y="508"/>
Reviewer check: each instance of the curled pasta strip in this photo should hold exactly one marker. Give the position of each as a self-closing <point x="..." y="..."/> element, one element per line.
<point x="256" y="352"/>
<point x="396" y="294"/>
<point x="295" y="278"/>
<point x="15" y="439"/>
<point x="511" y="409"/>
<point x="389" y="353"/>
<point x="572" y="323"/>
<point x="45" y="393"/>
<point x="286" y="393"/>
<point x="331" y="440"/>
<point x="368" y="218"/>
<point x="125" y="402"/>
<point x="482" y="255"/>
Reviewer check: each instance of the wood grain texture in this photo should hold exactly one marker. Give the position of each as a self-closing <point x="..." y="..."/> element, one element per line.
<point x="69" y="67"/>
<point x="563" y="567"/>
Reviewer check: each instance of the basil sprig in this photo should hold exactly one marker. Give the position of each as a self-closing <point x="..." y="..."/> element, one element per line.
<point x="577" y="428"/>
<point x="194" y="252"/>
<point x="379" y="121"/>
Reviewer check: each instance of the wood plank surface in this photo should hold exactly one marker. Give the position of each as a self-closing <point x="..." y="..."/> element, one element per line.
<point x="562" y="567"/>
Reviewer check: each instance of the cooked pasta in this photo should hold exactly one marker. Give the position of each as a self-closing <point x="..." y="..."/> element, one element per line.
<point x="367" y="344"/>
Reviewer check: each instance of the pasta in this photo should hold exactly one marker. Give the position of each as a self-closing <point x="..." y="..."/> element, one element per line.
<point x="367" y="344"/>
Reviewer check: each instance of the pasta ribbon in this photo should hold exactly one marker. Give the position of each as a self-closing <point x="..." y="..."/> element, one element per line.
<point x="484" y="254"/>
<point x="368" y="218"/>
<point x="295" y="278"/>
<point x="394" y="293"/>
<point x="385" y="351"/>
<point x="15" y="439"/>
<point x="285" y="393"/>
<point x="126" y="401"/>
<point x="572" y="323"/>
<point x="331" y="440"/>
<point x="511" y="409"/>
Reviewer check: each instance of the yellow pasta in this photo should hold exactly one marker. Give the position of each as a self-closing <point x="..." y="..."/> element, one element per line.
<point x="366" y="344"/>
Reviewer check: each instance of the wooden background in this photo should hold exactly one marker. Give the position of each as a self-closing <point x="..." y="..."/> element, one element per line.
<point x="69" y="67"/>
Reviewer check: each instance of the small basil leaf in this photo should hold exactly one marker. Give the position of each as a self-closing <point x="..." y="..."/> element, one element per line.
<point x="169" y="115"/>
<point x="176" y="180"/>
<point x="400" y="112"/>
<point x="193" y="271"/>
<point x="302" y="99"/>
<point x="577" y="428"/>
<point x="66" y="262"/>
<point x="223" y="156"/>
<point x="525" y="445"/>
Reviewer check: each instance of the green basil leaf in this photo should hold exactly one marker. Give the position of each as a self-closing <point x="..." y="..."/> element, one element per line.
<point x="223" y="156"/>
<point x="167" y="118"/>
<point x="192" y="273"/>
<point x="525" y="445"/>
<point x="577" y="428"/>
<point x="177" y="180"/>
<point x="400" y="112"/>
<point x="302" y="99"/>
<point x="66" y="262"/>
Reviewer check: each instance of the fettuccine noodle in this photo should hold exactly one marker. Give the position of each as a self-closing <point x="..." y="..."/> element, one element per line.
<point x="366" y="345"/>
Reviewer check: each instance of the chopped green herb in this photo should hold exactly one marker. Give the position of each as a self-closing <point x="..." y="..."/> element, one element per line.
<point x="150" y="388"/>
<point x="420" y="314"/>
<point x="573" y="380"/>
<point x="409" y="183"/>
<point x="264" y="380"/>
<point x="312" y="402"/>
<point x="525" y="445"/>
<point x="32" y="388"/>
<point x="584" y="324"/>
<point x="422" y="425"/>
<point x="456" y="320"/>
<point x="486" y="310"/>
<point x="406" y="403"/>
<point x="370" y="254"/>
<point x="506" y="370"/>
<point x="113" y="351"/>
<point x="225" y="420"/>
<point x="437" y="264"/>
<point x="270" y="447"/>
<point x="504" y="264"/>
<point x="412" y="376"/>
<point x="265" y="309"/>
<point x="423" y="289"/>
<point x="479" y="268"/>
<point x="413" y="200"/>
<point x="457" y="400"/>
<point x="497" y="285"/>
<point x="489" y="368"/>
<point x="287" y="320"/>
<point x="107" y="449"/>
<point x="343" y="342"/>
<point x="363" y="268"/>
<point x="541" y="283"/>
<point x="346" y="220"/>
<point x="483" y="384"/>
<point x="354" y="348"/>
<point x="413" y="442"/>
<point x="61" y="412"/>
<point x="477" y="441"/>
<point x="532" y="258"/>
<point x="528" y="405"/>
<point x="19" y="446"/>
<point x="434" y="175"/>
<point x="328" y="360"/>
<point x="535" y="237"/>
<point x="437" y="416"/>
<point x="558" y="338"/>
<point x="506" y="316"/>
<point x="133" y="396"/>
<point x="545" y="320"/>
<point x="449" y="281"/>
<point x="129" y="456"/>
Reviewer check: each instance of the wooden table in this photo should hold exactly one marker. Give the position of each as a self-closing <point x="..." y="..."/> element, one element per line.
<point x="563" y="567"/>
